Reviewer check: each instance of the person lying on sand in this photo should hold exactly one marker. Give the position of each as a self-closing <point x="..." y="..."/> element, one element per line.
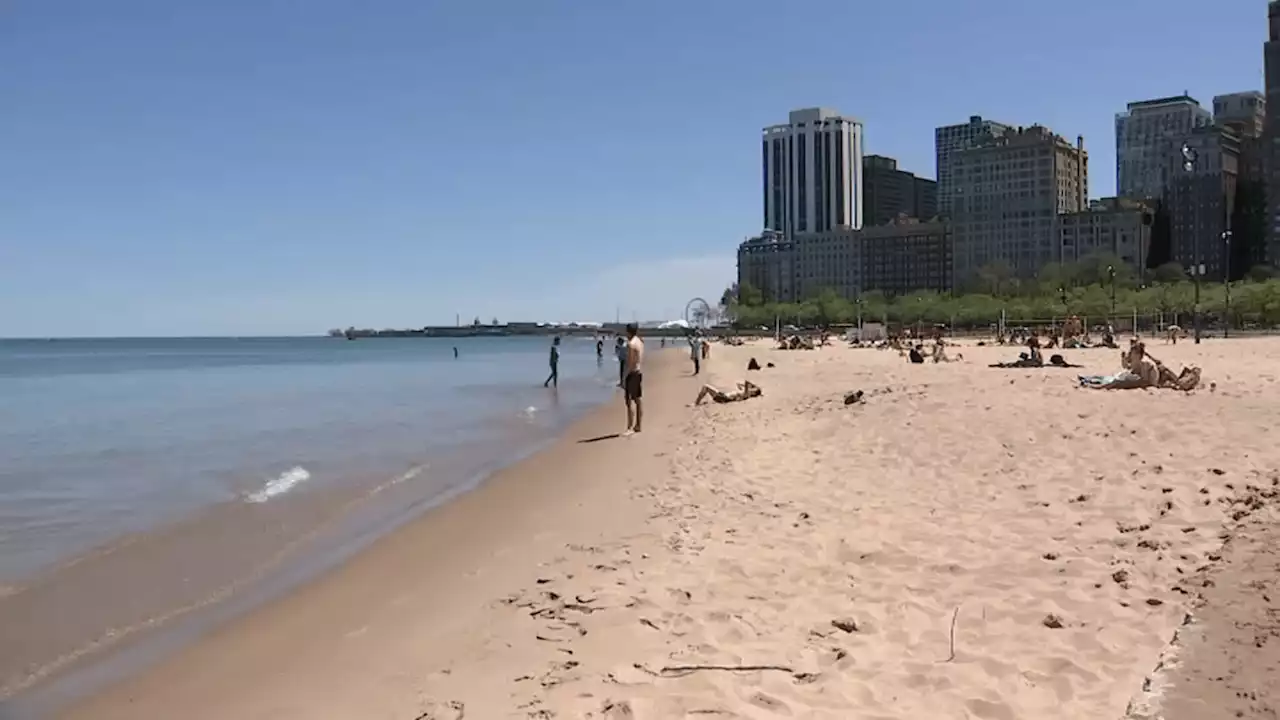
<point x="1142" y="370"/>
<point x="746" y="390"/>
<point x="1056" y="360"/>
<point x="1030" y="359"/>
<point x="1186" y="381"/>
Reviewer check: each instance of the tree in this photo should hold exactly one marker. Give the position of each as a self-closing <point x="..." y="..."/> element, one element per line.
<point x="829" y="307"/>
<point x="730" y="296"/>
<point x="873" y="304"/>
<point x="1261" y="273"/>
<point x="750" y="295"/>
<point x="1170" y="272"/>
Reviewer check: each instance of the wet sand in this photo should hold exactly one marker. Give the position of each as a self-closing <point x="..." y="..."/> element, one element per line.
<point x="968" y="542"/>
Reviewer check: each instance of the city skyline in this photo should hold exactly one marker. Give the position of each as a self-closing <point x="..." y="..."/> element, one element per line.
<point x="252" y="168"/>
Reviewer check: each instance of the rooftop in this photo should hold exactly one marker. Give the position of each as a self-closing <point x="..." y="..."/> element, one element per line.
<point x="1182" y="99"/>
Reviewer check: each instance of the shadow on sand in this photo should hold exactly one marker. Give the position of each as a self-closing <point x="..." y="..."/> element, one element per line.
<point x="598" y="438"/>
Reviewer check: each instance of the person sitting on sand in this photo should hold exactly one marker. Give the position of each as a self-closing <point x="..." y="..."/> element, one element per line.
<point x="1030" y="359"/>
<point x="940" y="352"/>
<point x="746" y="390"/>
<point x="915" y="356"/>
<point x="1139" y="371"/>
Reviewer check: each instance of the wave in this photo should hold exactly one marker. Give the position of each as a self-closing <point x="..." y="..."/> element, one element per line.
<point x="406" y="476"/>
<point x="278" y="486"/>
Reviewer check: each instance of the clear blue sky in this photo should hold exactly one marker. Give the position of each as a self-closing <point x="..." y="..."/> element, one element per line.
<point x="286" y="166"/>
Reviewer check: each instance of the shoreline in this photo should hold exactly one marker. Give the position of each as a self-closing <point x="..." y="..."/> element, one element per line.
<point x="156" y="590"/>
<point x="964" y="542"/>
<point x="457" y="543"/>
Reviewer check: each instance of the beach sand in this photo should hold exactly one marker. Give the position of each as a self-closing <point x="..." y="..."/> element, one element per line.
<point x="967" y="542"/>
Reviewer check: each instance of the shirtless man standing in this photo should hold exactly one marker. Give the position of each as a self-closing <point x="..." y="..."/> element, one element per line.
<point x="631" y="383"/>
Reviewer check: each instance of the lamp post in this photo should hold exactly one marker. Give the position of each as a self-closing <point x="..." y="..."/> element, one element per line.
<point x="1226" y="281"/>
<point x="1189" y="165"/>
<point x="1111" y="273"/>
<point x="1197" y="272"/>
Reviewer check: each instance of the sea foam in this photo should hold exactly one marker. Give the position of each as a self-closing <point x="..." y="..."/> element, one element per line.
<point x="278" y="486"/>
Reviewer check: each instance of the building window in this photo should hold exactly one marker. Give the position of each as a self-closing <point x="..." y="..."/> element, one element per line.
<point x="840" y="189"/>
<point x="803" y="189"/>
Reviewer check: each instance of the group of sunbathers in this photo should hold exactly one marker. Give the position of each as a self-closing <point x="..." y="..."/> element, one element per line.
<point x="1139" y="369"/>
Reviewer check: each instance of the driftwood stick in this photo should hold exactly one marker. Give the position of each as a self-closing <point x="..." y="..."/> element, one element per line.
<point x="728" y="668"/>
<point x="682" y="670"/>
<point x="954" y="615"/>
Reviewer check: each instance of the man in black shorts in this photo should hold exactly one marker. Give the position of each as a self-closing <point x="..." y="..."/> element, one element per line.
<point x="632" y="382"/>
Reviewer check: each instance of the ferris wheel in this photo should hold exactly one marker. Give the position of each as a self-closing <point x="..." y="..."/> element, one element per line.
<point x="698" y="313"/>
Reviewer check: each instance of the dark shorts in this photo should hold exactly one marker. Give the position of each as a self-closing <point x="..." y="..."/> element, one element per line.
<point x="631" y="386"/>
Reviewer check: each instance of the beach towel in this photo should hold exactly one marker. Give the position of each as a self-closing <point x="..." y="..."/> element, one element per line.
<point x="1104" y="380"/>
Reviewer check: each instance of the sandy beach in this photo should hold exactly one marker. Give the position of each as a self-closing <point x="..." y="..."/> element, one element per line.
<point x="967" y="542"/>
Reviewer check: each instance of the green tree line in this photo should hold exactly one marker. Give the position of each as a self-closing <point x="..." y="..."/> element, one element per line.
<point x="1098" y="287"/>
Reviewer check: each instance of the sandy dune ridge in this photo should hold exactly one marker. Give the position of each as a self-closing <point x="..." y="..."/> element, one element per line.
<point x="968" y="543"/>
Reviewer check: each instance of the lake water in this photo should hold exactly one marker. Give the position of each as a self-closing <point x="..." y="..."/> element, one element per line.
<point x="229" y="453"/>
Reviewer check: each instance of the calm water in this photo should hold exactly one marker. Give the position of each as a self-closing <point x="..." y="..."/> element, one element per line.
<point x="103" y="438"/>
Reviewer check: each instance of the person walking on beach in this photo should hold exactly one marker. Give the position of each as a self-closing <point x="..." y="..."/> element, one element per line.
<point x="620" y="350"/>
<point x="599" y="350"/>
<point x="695" y="352"/>
<point x="554" y="377"/>
<point x="632" y="382"/>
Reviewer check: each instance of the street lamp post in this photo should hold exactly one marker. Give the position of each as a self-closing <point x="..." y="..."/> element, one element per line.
<point x="1111" y="272"/>
<point x="1196" y="272"/>
<point x="1189" y="165"/>
<point x="1226" y="281"/>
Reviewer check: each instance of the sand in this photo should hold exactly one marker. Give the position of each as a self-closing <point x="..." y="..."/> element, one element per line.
<point x="1229" y="664"/>
<point x="968" y="542"/>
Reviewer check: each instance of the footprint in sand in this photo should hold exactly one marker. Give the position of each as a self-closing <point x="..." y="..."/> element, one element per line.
<point x="451" y="710"/>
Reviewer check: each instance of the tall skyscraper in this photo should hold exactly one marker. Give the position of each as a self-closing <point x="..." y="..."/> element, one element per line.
<point x="812" y="173"/>
<point x="950" y="139"/>
<point x="1008" y="192"/>
<point x="1245" y="114"/>
<point x="1201" y="200"/>
<point x="1271" y="132"/>
<point x="1148" y="133"/>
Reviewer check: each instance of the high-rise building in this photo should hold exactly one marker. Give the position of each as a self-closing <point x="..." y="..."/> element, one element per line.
<point x="906" y="256"/>
<point x="1271" y="132"/>
<point x="767" y="263"/>
<point x="812" y="173"/>
<point x="1201" y="200"/>
<point x="1114" y="227"/>
<point x="950" y="139"/>
<point x="889" y="193"/>
<point x="1148" y="134"/>
<point x="898" y="258"/>
<point x="1244" y="112"/>
<point x="1007" y="193"/>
